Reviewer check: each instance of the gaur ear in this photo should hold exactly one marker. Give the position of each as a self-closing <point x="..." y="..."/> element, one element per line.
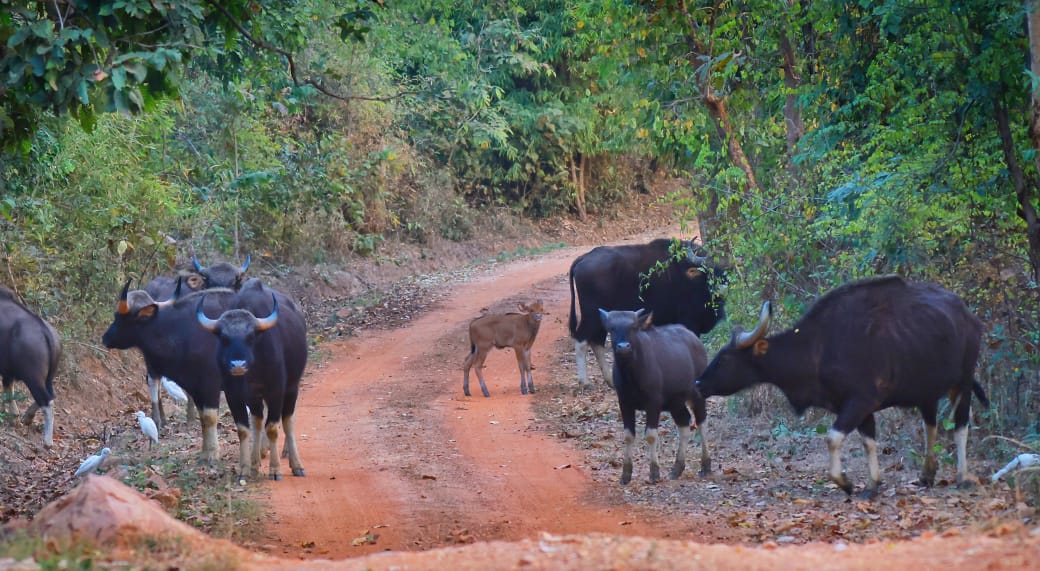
<point x="147" y="312"/>
<point x="761" y="347"/>
<point x="646" y="321"/>
<point x="522" y="306"/>
<point x="694" y="272"/>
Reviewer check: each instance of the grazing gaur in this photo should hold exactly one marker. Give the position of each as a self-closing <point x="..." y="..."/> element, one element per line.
<point x="221" y="274"/>
<point x="655" y="370"/>
<point x="516" y="330"/>
<point x="262" y="361"/>
<point x="164" y="288"/>
<point x="174" y="347"/>
<point x="863" y="347"/>
<point x="666" y="277"/>
<point x="30" y="349"/>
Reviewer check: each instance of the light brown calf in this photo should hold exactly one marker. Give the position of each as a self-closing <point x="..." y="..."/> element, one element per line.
<point x="516" y="330"/>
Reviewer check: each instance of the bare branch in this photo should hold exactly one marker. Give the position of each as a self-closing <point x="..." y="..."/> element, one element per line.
<point x="288" y="55"/>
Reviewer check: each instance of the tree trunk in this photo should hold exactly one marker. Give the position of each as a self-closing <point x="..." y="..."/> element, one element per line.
<point x="716" y="107"/>
<point x="1027" y="196"/>
<point x="792" y="114"/>
<point x="1024" y="192"/>
<point x="578" y="182"/>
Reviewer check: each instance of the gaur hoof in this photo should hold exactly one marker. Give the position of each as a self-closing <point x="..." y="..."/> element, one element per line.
<point x="677" y="471"/>
<point x="531" y="389"/>
<point x="466" y="392"/>
<point x="298" y="472"/>
<point x="523" y="390"/>
<point x="868" y="493"/>
<point x="705" y="469"/>
<point x="844" y="483"/>
<point x="275" y="477"/>
<point x="655" y="474"/>
<point x="626" y="474"/>
<point x="926" y="480"/>
<point x="486" y="394"/>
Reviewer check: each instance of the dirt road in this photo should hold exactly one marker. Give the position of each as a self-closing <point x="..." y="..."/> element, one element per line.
<point x="393" y="448"/>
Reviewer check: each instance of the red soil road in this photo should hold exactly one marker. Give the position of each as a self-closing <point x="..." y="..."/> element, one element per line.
<point x="392" y="447"/>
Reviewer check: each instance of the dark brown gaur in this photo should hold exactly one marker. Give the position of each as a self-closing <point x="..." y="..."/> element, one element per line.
<point x="30" y="350"/>
<point x="863" y="347"/>
<point x="655" y="369"/>
<point x="676" y="289"/>
<point x="222" y="274"/>
<point x="261" y="361"/>
<point x="175" y="347"/>
<point x="516" y="330"/>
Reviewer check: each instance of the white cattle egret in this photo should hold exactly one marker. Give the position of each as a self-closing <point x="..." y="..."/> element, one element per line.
<point x="1020" y="461"/>
<point x="175" y="391"/>
<point x="92" y="462"/>
<point x="148" y="427"/>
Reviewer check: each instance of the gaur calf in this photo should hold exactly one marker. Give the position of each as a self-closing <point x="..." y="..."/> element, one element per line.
<point x="516" y="330"/>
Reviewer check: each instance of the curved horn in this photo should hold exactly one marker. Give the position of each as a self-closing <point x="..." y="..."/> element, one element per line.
<point x="174" y="297"/>
<point x="699" y="261"/>
<point x="746" y="339"/>
<point x="269" y="321"/>
<point x="245" y="266"/>
<point x="124" y="308"/>
<point x="195" y="262"/>
<point x="206" y="323"/>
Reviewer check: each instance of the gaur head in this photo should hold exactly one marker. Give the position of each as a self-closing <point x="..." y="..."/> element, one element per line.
<point x="737" y="366"/>
<point x="221" y="274"/>
<point x="622" y="325"/>
<point x="534" y="310"/>
<point x="135" y="309"/>
<point x="237" y="330"/>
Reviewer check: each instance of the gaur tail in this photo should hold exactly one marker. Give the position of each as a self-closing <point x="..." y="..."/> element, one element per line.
<point x="980" y="394"/>
<point x="573" y="323"/>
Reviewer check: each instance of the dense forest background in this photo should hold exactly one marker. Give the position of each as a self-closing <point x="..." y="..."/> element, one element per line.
<point x="819" y="141"/>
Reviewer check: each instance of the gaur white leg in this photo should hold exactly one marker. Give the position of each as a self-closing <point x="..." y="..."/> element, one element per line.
<point x="705" y="457"/>
<point x="245" y="446"/>
<point x="259" y="443"/>
<point x="931" y="464"/>
<point x="582" y="358"/>
<point x="210" y="446"/>
<point x="680" y="452"/>
<point x="48" y="425"/>
<point x="604" y="365"/>
<point x="964" y="477"/>
<point x="873" y="467"/>
<point x="158" y="414"/>
<point x="834" y="440"/>
<point x="275" y="463"/>
<point x="289" y="427"/>
<point x="655" y="467"/>
<point x="626" y="467"/>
